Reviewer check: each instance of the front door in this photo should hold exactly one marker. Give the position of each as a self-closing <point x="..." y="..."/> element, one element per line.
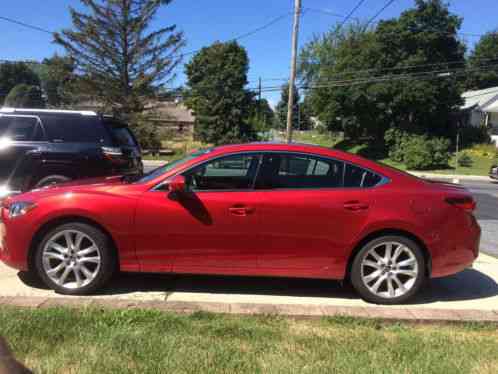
<point x="210" y="228"/>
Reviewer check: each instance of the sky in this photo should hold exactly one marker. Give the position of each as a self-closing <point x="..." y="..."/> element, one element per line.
<point x="204" y="22"/>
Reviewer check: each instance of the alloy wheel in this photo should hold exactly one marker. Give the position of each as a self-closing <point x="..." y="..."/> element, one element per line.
<point x="71" y="259"/>
<point x="389" y="270"/>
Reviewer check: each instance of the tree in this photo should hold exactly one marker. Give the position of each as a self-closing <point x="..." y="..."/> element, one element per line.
<point x="122" y="62"/>
<point x="216" y="77"/>
<point x="58" y="80"/>
<point x="25" y="96"/>
<point x="485" y="57"/>
<point x="262" y="115"/>
<point x="364" y="75"/>
<point x="282" y="106"/>
<point x="14" y="73"/>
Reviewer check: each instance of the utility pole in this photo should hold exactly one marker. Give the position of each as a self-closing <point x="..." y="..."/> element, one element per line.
<point x="292" y="79"/>
<point x="259" y="100"/>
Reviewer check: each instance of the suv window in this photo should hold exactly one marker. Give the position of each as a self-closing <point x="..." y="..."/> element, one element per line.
<point x="299" y="171"/>
<point x="19" y="128"/>
<point x="235" y="172"/>
<point x="74" y="129"/>
<point x="355" y="176"/>
<point x="123" y="137"/>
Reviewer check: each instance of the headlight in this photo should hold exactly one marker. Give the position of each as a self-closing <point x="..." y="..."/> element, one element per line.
<point x="20" y="208"/>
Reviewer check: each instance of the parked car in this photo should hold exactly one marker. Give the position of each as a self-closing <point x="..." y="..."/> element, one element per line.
<point x="256" y="209"/>
<point x="493" y="172"/>
<point x="43" y="147"/>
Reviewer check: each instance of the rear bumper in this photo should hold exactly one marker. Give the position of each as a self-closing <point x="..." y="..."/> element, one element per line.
<point x="458" y="252"/>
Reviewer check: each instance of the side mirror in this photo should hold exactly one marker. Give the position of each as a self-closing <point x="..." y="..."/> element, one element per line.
<point x="177" y="184"/>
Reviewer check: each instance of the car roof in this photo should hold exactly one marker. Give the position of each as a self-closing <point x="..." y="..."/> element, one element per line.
<point x="7" y="110"/>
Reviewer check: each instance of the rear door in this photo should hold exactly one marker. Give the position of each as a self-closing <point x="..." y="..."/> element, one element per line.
<point x="20" y="138"/>
<point x="312" y="208"/>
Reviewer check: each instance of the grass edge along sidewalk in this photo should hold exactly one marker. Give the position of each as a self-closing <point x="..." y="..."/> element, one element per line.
<point x="293" y="310"/>
<point x="89" y="340"/>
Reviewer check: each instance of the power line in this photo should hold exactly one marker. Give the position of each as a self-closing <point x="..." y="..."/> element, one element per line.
<point x="245" y="35"/>
<point x="37" y="28"/>
<point x="351" y="13"/>
<point x="379" y="12"/>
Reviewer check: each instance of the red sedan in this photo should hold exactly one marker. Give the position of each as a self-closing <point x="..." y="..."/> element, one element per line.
<point x="254" y="209"/>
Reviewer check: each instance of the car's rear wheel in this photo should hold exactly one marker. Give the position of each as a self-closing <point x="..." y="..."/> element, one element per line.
<point x="50" y="180"/>
<point x="75" y="259"/>
<point x="388" y="270"/>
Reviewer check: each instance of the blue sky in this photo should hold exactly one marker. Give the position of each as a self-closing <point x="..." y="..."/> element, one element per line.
<point x="269" y="50"/>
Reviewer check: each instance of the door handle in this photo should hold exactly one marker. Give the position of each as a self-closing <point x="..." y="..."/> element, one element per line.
<point x="355" y="206"/>
<point x="240" y="211"/>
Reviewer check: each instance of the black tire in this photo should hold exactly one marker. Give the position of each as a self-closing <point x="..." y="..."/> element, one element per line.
<point x="50" y="180"/>
<point x="107" y="259"/>
<point x="369" y="296"/>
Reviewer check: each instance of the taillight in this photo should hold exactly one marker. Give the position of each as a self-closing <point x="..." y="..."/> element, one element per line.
<point x="112" y="151"/>
<point x="466" y="203"/>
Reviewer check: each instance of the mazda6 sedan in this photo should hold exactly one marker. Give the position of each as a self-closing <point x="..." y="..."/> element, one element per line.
<point x="252" y="210"/>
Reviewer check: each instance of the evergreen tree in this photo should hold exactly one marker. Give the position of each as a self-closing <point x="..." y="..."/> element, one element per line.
<point x="123" y="62"/>
<point x="217" y="76"/>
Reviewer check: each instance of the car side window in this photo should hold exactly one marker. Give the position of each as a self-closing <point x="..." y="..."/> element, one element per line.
<point x="74" y="129"/>
<point x="299" y="171"/>
<point x="235" y="172"/>
<point x="355" y="176"/>
<point x="18" y="128"/>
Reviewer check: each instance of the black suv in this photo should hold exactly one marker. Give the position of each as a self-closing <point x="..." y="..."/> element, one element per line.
<point x="42" y="147"/>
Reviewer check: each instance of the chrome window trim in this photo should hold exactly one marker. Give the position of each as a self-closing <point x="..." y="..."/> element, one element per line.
<point x="384" y="180"/>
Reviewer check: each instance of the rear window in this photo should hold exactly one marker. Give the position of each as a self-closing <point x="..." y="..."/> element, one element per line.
<point x="19" y="128"/>
<point x="74" y="129"/>
<point x="123" y="137"/>
<point x="354" y="176"/>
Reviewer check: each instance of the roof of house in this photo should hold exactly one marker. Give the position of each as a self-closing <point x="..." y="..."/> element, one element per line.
<point x="173" y="111"/>
<point x="481" y="99"/>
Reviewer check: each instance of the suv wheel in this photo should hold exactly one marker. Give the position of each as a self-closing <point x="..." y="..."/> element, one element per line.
<point x="51" y="179"/>
<point x="388" y="270"/>
<point x="75" y="259"/>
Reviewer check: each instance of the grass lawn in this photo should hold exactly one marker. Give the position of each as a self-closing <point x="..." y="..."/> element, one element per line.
<point x="129" y="341"/>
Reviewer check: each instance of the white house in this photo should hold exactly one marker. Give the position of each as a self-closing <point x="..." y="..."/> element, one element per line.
<point x="482" y="108"/>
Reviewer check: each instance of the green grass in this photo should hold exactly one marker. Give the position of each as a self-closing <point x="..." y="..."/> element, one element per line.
<point x="313" y="137"/>
<point x="129" y="341"/>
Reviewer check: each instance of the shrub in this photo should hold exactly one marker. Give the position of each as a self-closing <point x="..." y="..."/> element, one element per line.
<point x="465" y="160"/>
<point x="418" y="152"/>
<point x="470" y="135"/>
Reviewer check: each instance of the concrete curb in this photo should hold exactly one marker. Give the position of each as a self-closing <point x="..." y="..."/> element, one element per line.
<point x="450" y="176"/>
<point x="153" y="163"/>
<point x="290" y="310"/>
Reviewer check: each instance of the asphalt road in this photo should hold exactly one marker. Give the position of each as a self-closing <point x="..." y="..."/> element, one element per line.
<point x="486" y="194"/>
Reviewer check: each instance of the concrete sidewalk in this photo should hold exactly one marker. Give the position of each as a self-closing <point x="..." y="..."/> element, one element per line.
<point x="471" y="295"/>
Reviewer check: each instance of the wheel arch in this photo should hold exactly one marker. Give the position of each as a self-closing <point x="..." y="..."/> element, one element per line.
<point x="385" y="232"/>
<point x="51" y="224"/>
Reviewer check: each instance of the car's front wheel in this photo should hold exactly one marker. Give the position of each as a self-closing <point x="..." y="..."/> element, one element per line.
<point x="75" y="259"/>
<point x="388" y="270"/>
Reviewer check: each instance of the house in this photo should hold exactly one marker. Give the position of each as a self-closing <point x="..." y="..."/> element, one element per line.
<point x="481" y="109"/>
<point x="172" y="116"/>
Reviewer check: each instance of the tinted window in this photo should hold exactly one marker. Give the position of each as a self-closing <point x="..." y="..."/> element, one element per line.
<point x="299" y="171"/>
<point x="359" y="177"/>
<point x="122" y="137"/>
<point x="74" y="129"/>
<point x="230" y="173"/>
<point x="19" y="128"/>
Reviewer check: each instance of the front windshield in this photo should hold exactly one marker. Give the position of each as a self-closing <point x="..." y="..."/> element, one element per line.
<point x="171" y="165"/>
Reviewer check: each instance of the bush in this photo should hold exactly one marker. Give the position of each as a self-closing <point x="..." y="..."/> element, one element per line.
<point x="465" y="160"/>
<point x="145" y="132"/>
<point x="470" y="135"/>
<point x="417" y="152"/>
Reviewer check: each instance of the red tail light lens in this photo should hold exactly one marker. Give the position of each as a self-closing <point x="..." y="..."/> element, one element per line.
<point x="466" y="203"/>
